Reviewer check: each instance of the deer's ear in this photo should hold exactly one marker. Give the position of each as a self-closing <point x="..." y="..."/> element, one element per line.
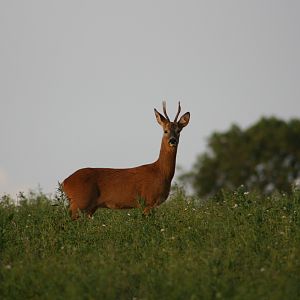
<point x="184" y="120"/>
<point x="160" y="118"/>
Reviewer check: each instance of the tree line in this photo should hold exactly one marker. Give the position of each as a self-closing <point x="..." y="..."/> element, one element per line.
<point x="264" y="157"/>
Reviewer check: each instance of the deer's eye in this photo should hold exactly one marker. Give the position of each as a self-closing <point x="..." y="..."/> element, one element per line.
<point x="166" y="131"/>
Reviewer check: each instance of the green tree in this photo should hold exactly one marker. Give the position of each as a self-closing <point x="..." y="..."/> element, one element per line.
<point x="265" y="157"/>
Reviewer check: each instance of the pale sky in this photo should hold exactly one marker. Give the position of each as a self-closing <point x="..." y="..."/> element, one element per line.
<point x="79" y="79"/>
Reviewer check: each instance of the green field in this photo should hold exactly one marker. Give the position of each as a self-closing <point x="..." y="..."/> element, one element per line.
<point x="235" y="246"/>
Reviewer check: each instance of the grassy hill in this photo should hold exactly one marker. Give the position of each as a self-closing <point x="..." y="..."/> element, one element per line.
<point x="235" y="246"/>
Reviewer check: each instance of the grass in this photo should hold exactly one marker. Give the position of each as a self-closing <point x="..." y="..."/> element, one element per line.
<point x="234" y="246"/>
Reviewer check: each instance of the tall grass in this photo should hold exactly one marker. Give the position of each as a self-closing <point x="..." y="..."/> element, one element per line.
<point x="234" y="246"/>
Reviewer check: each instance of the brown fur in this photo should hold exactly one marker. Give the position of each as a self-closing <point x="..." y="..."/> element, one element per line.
<point x="90" y="188"/>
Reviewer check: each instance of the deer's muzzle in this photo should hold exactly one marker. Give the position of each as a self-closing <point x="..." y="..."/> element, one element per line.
<point x="173" y="142"/>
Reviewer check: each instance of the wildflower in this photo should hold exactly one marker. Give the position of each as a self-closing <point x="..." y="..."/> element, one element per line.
<point x="103" y="225"/>
<point x="235" y="205"/>
<point x="8" y="267"/>
<point x="173" y="238"/>
<point x="162" y="230"/>
<point x="128" y="214"/>
<point x="246" y="193"/>
<point x="262" y="269"/>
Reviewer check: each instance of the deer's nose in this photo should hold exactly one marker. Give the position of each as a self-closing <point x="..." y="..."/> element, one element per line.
<point x="172" y="142"/>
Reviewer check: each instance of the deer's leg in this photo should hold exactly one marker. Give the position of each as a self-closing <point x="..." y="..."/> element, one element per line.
<point x="91" y="212"/>
<point x="148" y="210"/>
<point x="74" y="211"/>
<point x="151" y="205"/>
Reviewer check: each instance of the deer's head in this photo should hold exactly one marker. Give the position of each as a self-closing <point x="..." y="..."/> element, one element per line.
<point x="172" y="129"/>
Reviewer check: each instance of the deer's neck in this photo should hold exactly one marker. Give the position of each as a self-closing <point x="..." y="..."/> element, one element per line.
<point x="167" y="160"/>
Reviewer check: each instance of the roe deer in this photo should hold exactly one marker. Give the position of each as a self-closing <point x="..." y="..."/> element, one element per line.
<point x="90" y="188"/>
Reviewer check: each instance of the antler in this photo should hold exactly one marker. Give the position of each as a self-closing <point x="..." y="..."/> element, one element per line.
<point x="179" y="110"/>
<point x="165" y="110"/>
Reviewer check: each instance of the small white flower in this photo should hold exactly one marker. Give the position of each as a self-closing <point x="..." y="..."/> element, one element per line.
<point x="262" y="269"/>
<point x="235" y="205"/>
<point x="162" y="230"/>
<point x="8" y="267"/>
<point x="103" y="225"/>
<point x="246" y="193"/>
<point x="128" y="214"/>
